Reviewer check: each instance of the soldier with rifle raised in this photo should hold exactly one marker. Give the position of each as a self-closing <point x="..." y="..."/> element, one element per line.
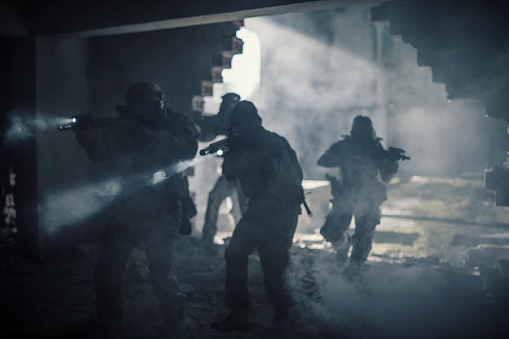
<point x="271" y="179"/>
<point x="365" y="167"/>
<point x="210" y="128"/>
<point x="153" y="207"/>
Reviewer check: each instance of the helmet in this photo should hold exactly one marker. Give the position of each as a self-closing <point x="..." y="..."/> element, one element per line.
<point x="245" y="114"/>
<point x="145" y="96"/>
<point x="229" y="102"/>
<point x="231" y="97"/>
<point x="362" y="129"/>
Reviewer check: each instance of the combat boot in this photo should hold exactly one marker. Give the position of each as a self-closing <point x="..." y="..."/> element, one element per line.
<point x="237" y="321"/>
<point x="352" y="272"/>
<point x="173" y="325"/>
<point x="282" y="322"/>
<point x="342" y="248"/>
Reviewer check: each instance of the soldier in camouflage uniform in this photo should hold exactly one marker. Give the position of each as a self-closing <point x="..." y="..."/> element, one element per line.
<point x="153" y="204"/>
<point x="210" y="128"/>
<point x="360" y="191"/>
<point x="270" y="177"/>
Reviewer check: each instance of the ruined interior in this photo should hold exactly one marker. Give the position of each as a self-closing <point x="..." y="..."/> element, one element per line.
<point x="430" y="74"/>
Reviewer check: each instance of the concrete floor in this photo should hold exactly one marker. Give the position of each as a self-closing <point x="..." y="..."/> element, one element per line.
<point x="436" y="270"/>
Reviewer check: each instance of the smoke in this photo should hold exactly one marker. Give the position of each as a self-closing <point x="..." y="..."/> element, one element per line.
<point x="183" y="165"/>
<point x="389" y="301"/>
<point x="24" y="126"/>
<point x="320" y="69"/>
<point x="64" y="208"/>
<point x="243" y="77"/>
<point x="304" y="69"/>
<point x="311" y="86"/>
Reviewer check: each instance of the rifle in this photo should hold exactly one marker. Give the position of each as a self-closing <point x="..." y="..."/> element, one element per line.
<point x="218" y="147"/>
<point x="395" y="154"/>
<point x="392" y="153"/>
<point x="85" y="121"/>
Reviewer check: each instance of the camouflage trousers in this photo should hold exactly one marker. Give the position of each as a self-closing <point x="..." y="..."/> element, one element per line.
<point x="125" y="229"/>
<point x="337" y="223"/>
<point x="269" y="230"/>
<point x="222" y="189"/>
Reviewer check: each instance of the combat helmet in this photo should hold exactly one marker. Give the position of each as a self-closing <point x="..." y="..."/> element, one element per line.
<point x="145" y="97"/>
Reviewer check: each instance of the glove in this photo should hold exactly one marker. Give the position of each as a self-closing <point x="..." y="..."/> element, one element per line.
<point x="391" y="167"/>
<point x="86" y="138"/>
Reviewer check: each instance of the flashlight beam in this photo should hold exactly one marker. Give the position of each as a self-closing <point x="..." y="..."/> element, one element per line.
<point x="66" y="207"/>
<point x="183" y="165"/>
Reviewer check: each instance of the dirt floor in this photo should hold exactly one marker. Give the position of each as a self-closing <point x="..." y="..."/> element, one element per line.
<point x="55" y="299"/>
<point x="413" y="285"/>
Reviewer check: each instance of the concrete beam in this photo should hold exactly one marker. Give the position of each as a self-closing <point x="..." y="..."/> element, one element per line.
<point x="87" y="19"/>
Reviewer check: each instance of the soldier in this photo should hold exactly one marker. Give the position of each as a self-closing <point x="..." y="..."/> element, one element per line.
<point x="153" y="205"/>
<point x="270" y="177"/>
<point x="364" y="170"/>
<point x="210" y="128"/>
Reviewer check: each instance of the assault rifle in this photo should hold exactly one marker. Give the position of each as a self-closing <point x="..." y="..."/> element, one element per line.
<point x="218" y="147"/>
<point x="85" y="121"/>
<point x="395" y="153"/>
<point x="392" y="153"/>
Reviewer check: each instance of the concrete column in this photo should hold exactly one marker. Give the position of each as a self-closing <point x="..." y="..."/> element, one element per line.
<point x="381" y="119"/>
<point x="18" y="81"/>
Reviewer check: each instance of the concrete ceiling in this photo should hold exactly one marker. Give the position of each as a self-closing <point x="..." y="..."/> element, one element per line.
<point x="63" y="18"/>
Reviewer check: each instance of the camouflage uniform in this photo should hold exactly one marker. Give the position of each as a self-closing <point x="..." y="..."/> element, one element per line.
<point x="360" y="193"/>
<point x="270" y="177"/>
<point x="210" y="128"/>
<point x="145" y="211"/>
<point x="221" y="190"/>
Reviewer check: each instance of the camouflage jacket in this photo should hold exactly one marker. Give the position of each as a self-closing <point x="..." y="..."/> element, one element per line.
<point x="266" y="166"/>
<point x="154" y="145"/>
<point x="363" y="168"/>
